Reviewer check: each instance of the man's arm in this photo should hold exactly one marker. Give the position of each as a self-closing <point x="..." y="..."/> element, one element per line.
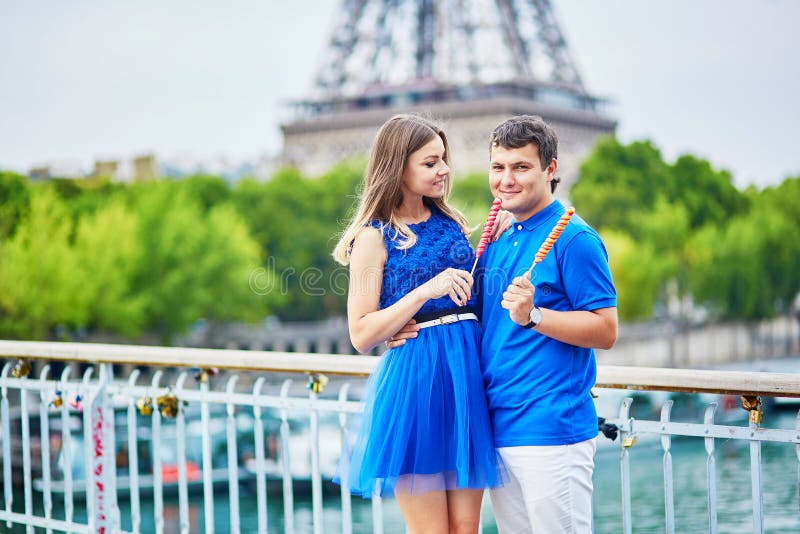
<point x="590" y="329"/>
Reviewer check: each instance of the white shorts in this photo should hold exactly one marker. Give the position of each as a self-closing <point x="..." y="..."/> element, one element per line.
<point x="549" y="490"/>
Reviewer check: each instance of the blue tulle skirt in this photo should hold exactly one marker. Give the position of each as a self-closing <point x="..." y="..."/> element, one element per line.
<point x="425" y="424"/>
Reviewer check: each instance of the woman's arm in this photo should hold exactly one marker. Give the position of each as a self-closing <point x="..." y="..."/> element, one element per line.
<point x="370" y="326"/>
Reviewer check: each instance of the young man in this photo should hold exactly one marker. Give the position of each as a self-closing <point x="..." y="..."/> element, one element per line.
<point x="539" y="333"/>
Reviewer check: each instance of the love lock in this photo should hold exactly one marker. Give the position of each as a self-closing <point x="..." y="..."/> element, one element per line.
<point x="168" y="405"/>
<point x="752" y="404"/>
<point x="205" y="374"/>
<point x="76" y="402"/>
<point x="317" y="382"/>
<point x="22" y="369"/>
<point x="57" y="399"/>
<point x="145" y="406"/>
<point x="629" y="441"/>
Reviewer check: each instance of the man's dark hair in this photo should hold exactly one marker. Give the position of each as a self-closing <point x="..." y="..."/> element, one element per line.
<point x="521" y="130"/>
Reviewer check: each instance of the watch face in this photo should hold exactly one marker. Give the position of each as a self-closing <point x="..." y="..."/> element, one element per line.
<point x="536" y="316"/>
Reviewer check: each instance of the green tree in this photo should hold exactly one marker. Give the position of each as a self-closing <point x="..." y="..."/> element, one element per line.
<point x="784" y="198"/>
<point x="296" y="221"/>
<point x="617" y="181"/>
<point x="208" y="190"/>
<point x="109" y="251"/>
<point x="638" y="273"/>
<point x="40" y="282"/>
<point x="472" y="196"/>
<point x="83" y="195"/>
<point x="709" y="196"/>
<point x="194" y="266"/>
<point x="227" y="267"/>
<point x="748" y="270"/>
<point x="15" y="198"/>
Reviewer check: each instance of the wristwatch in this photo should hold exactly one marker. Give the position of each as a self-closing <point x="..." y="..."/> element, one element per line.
<point x="535" y="317"/>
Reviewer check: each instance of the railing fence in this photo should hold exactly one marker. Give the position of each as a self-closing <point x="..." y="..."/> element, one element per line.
<point x="85" y="443"/>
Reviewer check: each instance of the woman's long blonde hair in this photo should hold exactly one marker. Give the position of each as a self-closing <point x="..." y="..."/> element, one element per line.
<point x="397" y="139"/>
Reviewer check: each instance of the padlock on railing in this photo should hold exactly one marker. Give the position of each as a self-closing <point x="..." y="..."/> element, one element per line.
<point x="317" y="382"/>
<point x="145" y="406"/>
<point x="21" y="369"/>
<point x="76" y="402"/>
<point x="204" y="374"/>
<point x="752" y="404"/>
<point x="168" y="405"/>
<point x="629" y="441"/>
<point x="57" y="400"/>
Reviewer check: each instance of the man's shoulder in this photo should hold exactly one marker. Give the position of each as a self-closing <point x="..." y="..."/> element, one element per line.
<point x="580" y="229"/>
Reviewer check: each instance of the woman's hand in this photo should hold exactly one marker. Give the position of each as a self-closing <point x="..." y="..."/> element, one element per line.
<point x="501" y="224"/>
<point x="454" y="283"/>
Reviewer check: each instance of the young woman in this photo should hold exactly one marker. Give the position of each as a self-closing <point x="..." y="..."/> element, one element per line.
<point x="425" y="433"/>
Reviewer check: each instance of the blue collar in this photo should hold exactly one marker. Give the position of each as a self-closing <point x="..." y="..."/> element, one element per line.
<point x="538" y="219"/>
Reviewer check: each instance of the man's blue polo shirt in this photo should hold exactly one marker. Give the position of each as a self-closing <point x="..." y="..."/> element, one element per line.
<point x="539" y="388"/>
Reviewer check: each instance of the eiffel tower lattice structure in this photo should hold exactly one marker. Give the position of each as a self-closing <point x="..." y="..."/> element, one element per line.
<point x="468" y="63"/>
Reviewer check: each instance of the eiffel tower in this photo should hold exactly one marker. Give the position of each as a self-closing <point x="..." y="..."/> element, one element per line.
<point x="468" y="63"/>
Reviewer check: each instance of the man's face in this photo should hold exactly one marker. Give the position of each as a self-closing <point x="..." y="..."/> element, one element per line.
<point x="517" y="178"/>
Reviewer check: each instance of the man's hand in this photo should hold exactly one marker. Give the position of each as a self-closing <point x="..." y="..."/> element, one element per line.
<point x="409" y="331"/>
<point x="518" y="299"/>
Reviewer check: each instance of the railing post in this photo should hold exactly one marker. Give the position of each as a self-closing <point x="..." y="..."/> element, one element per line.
<point x="233" y="458"/>
<point x="155" y="455"/>
<point x="625" y="463"/>
<point x="666" y="442"/>
<point x="133" y="455"/>
<point x="103" y="449"/>
<point x="316" y="479"/>
<point x="44" y="425"/>
<point x="261" y="476"/>
<point x="7" y="491"/>
<point x="25" y="427"/>
<point x="84" y="401"/>
<point x="286" y="466"/>
<point x="344" y="466"/>
<point x="208" y="468"/>
<point x="711" y="471"/>
<point x="180" y="439"/>
<point x="377" y="512"/>
<point x="66" y="448"/>
<point x="797" y="425"/>
<point x="753" y="405"/>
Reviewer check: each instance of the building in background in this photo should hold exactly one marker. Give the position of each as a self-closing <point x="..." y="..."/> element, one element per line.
<point x="469" y="65"/>
<point x="108" y="168"/>
<point x="145" y="168"/>
<point x="39" y="173"/>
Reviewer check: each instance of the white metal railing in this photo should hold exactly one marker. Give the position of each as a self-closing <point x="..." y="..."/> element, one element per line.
<point x="169" y="412"/>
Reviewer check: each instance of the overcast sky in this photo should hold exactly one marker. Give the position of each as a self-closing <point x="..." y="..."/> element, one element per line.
<point x="83" y="79"/>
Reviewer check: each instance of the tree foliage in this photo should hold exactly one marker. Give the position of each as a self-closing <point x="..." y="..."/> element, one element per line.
<point x="158" y="256"/>
<point x="634" y="266"/>
<point x="38" y="286"/>
<point x="296" y="221"/>
<point x="688" y="224"/>
<point x="748" y="268"/>
<point x="14" y="202"/>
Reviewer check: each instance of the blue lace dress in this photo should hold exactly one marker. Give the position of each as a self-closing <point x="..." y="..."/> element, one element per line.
<point x="425" y="425"/>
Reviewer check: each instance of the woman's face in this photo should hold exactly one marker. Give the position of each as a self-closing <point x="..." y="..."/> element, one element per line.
<point x="426" y="171"/>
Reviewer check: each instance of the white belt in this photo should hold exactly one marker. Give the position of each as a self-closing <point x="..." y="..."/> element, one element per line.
<point x="449" y="319"/>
